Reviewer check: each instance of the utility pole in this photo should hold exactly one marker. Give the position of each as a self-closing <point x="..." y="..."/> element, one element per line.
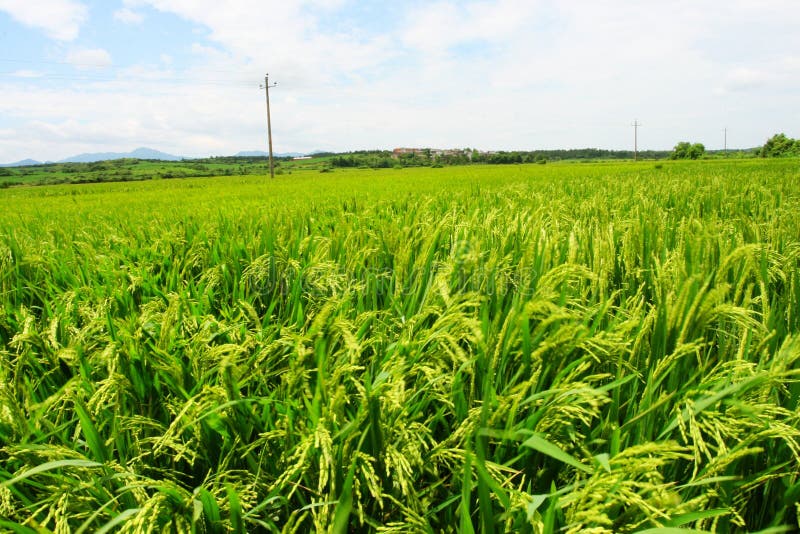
<point x="636" y="125"/>
<point x="266" y="87"/>
<point x="726" y="142"/>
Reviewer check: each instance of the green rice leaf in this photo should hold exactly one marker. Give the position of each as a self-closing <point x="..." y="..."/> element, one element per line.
<point x="118" y="520"/>
<point x="51" y="466"/>
<point x="545" y="447"/>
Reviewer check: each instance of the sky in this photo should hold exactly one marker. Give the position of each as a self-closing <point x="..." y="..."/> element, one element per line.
<point x="183" y="76"/>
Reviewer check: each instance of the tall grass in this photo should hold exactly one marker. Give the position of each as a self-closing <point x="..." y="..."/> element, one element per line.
<point x="605" y="348"/>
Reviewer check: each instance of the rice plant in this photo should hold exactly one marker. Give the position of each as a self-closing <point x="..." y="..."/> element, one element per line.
<point x="561" y="348"/>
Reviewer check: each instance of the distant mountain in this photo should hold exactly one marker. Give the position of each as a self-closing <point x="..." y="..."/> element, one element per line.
<point x="23" y="163"/>
<point x="145" y="153"/>
<point x="262" y="154"/>
<point x="139" y="153"/>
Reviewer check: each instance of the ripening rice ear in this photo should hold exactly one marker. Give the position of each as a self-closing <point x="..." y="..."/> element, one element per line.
<point x="602" y="348"/>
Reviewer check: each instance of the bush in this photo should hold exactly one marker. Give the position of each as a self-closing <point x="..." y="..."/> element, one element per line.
<point x="780" y="146"/>
<point x="685" y="150"/>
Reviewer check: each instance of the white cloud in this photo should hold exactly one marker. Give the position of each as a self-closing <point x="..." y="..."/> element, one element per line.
<point x="123" y="115"/>
<point x="778" y="74"/>
<point x="60" y="19"/>
<point x="290" y="37"/>
<point x="495" y="74"/>
<point x="746" y="78"/>
<point x="89" y="58"/>
<point x="128" y="16"/>
<point x="433" y="28"/>
<point x="26" y="73"/>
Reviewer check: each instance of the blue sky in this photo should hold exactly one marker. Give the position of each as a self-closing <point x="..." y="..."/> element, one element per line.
<point x="182" y="75"/>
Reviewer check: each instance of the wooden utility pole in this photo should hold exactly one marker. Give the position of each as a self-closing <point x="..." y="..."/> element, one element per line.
<point x="266" y="87"/>
<point x="636" y="125"/>
<point x="726" y="142"/>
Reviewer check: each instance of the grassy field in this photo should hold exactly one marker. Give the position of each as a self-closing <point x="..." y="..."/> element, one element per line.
<point x="134" y="170"/>
<point x="125" y="170"/>
<point x="543" y="348"/>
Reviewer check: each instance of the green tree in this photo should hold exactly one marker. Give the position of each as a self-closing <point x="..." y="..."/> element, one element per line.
<point x="697" y="151"/>
<point x="779" y="146"/>
<point x="686" y="150"/>
<point x="680" y="151"/>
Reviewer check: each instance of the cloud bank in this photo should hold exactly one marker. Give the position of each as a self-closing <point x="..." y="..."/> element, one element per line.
<point x="493" y="74"/>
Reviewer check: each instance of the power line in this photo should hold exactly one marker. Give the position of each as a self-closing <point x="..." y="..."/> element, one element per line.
<point x="46" y="62"/>
<point x="126" y="79"/>
<point x="94" y="65"/>
<point x="36" y="74"/>
<point x="636" y="125"/>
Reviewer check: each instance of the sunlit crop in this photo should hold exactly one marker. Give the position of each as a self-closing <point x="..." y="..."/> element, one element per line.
<point x="545" y="348"/>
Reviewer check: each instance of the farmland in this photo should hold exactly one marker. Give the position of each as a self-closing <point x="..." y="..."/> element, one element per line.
<point x="532" y="348"/>
<point x="126" y="170"/>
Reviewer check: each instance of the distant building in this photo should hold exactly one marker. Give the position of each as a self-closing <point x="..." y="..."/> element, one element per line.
<point x="397" y="152"/>
<point x="301" y="157"/>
